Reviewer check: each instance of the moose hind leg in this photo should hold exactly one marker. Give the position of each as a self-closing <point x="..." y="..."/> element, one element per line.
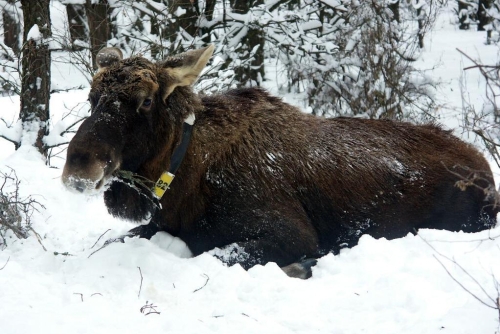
<point x="469" y="210"/>
<point x="247" y="233"/>
<point x="275" y="238"/>
<point x="301" y="269"/>
<point x="251" y="253"/>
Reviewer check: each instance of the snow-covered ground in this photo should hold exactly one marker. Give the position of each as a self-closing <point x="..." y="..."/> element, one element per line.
<point x="428" y="283"/>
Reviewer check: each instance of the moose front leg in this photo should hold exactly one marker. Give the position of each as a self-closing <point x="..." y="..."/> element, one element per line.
<point x="142" y="231"/>
<point x="130" y="201"/>
<point x="146" y="231"/>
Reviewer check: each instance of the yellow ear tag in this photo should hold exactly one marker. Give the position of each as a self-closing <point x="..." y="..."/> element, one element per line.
<point x="162" y="184"/>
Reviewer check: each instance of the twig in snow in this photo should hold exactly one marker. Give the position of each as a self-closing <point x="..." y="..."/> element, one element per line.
<point x="98" y="249"/>
<point x="81" y="295"/>
<point x="63" y="254"/>
<point x="149" y="308"/>
<point x="5" y="263"/>
<point x="495" y="301"/>
<point x="100" y="238"/>
<point x="140" y="287"/>
<point x="38" y="237"/>
<point x="463" y="287"/>
<point x="109" y="242"/>
<point x="246" y="315"/>
<point x="204" y="285"/>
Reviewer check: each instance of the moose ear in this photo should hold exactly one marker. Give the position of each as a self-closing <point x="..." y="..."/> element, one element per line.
<point x="185" y="68"/>
<point x="108" y="56"/>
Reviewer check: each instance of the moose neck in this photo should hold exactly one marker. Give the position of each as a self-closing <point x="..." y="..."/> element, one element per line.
<point x="169" y="130"/>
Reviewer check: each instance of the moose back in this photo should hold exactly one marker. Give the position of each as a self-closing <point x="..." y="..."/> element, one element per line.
<point x="261" y="181"/>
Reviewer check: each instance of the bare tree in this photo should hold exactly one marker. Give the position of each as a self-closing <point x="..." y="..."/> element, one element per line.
<point x="482" y="14"/>
<point x="35" y="75"/>
<point x="98" y="21"/>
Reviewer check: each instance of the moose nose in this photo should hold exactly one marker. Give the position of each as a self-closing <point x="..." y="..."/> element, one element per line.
<point x="79" y="186"/>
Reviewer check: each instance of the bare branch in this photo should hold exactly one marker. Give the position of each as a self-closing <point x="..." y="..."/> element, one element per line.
<point x="81" y="295"/>
<point x="204" y="285"/>
<point x="140" y="286"/>
<point x="494" y="306"/>
<point x="100" y="238"/>
<point x="5" y="263"/>
<point x="462" y="286"/>
<point x="15" y="211"/>
<point x="149" y="309"/>
<point x="16" y="143"/>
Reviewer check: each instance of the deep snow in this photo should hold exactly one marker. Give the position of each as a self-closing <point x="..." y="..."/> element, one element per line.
<point x="379" y="286"/>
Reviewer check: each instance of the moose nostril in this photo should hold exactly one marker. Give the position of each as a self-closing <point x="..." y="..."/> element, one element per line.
<point x="80" y="186"/>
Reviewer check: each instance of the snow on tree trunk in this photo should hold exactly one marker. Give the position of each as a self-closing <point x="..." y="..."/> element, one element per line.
<point x="35" y="75"/>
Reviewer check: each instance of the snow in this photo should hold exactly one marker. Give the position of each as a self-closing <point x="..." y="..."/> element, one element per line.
<point x="34" y="33"/>
<point x="140" y="286"/>
<point x="11" y="132"/>
<point x="179" y="11"/>
<point x="311" y="25"/>
<point x="334" y="4"/>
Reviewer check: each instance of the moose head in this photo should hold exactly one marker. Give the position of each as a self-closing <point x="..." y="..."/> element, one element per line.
<point x="127" y="124"/>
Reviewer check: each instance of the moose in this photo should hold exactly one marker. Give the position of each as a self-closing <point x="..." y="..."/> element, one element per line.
<point x="256" y="179"/>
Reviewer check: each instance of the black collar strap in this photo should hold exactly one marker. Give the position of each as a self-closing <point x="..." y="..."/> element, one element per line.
<point x="180" y="151"/>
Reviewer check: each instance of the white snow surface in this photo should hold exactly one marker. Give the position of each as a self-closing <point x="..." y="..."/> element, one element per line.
<point x="155" y="286"/>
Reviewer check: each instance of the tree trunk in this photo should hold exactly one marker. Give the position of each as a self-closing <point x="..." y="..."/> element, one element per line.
<point x="482" y="17"/>
<point x="420" y="33"/>
<point x="97" y="15"/>
<point x="35" y="74"/>
<point x="11" y="26"/>
<point x="325" y="16"/>
<point x="77" y="26"/>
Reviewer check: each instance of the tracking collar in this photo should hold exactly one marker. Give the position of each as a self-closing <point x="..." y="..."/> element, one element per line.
<point x="167" y="177"/>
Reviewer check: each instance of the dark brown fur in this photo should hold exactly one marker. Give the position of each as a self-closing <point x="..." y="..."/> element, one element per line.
<point x="281" y="184"/>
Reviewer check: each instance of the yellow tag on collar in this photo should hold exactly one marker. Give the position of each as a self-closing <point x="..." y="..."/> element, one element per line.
<point x="162" y="184"/>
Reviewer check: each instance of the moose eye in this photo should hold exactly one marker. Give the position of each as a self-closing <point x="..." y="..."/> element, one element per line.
<point x="93" y="99"/>
<point x="146" y="103"/>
